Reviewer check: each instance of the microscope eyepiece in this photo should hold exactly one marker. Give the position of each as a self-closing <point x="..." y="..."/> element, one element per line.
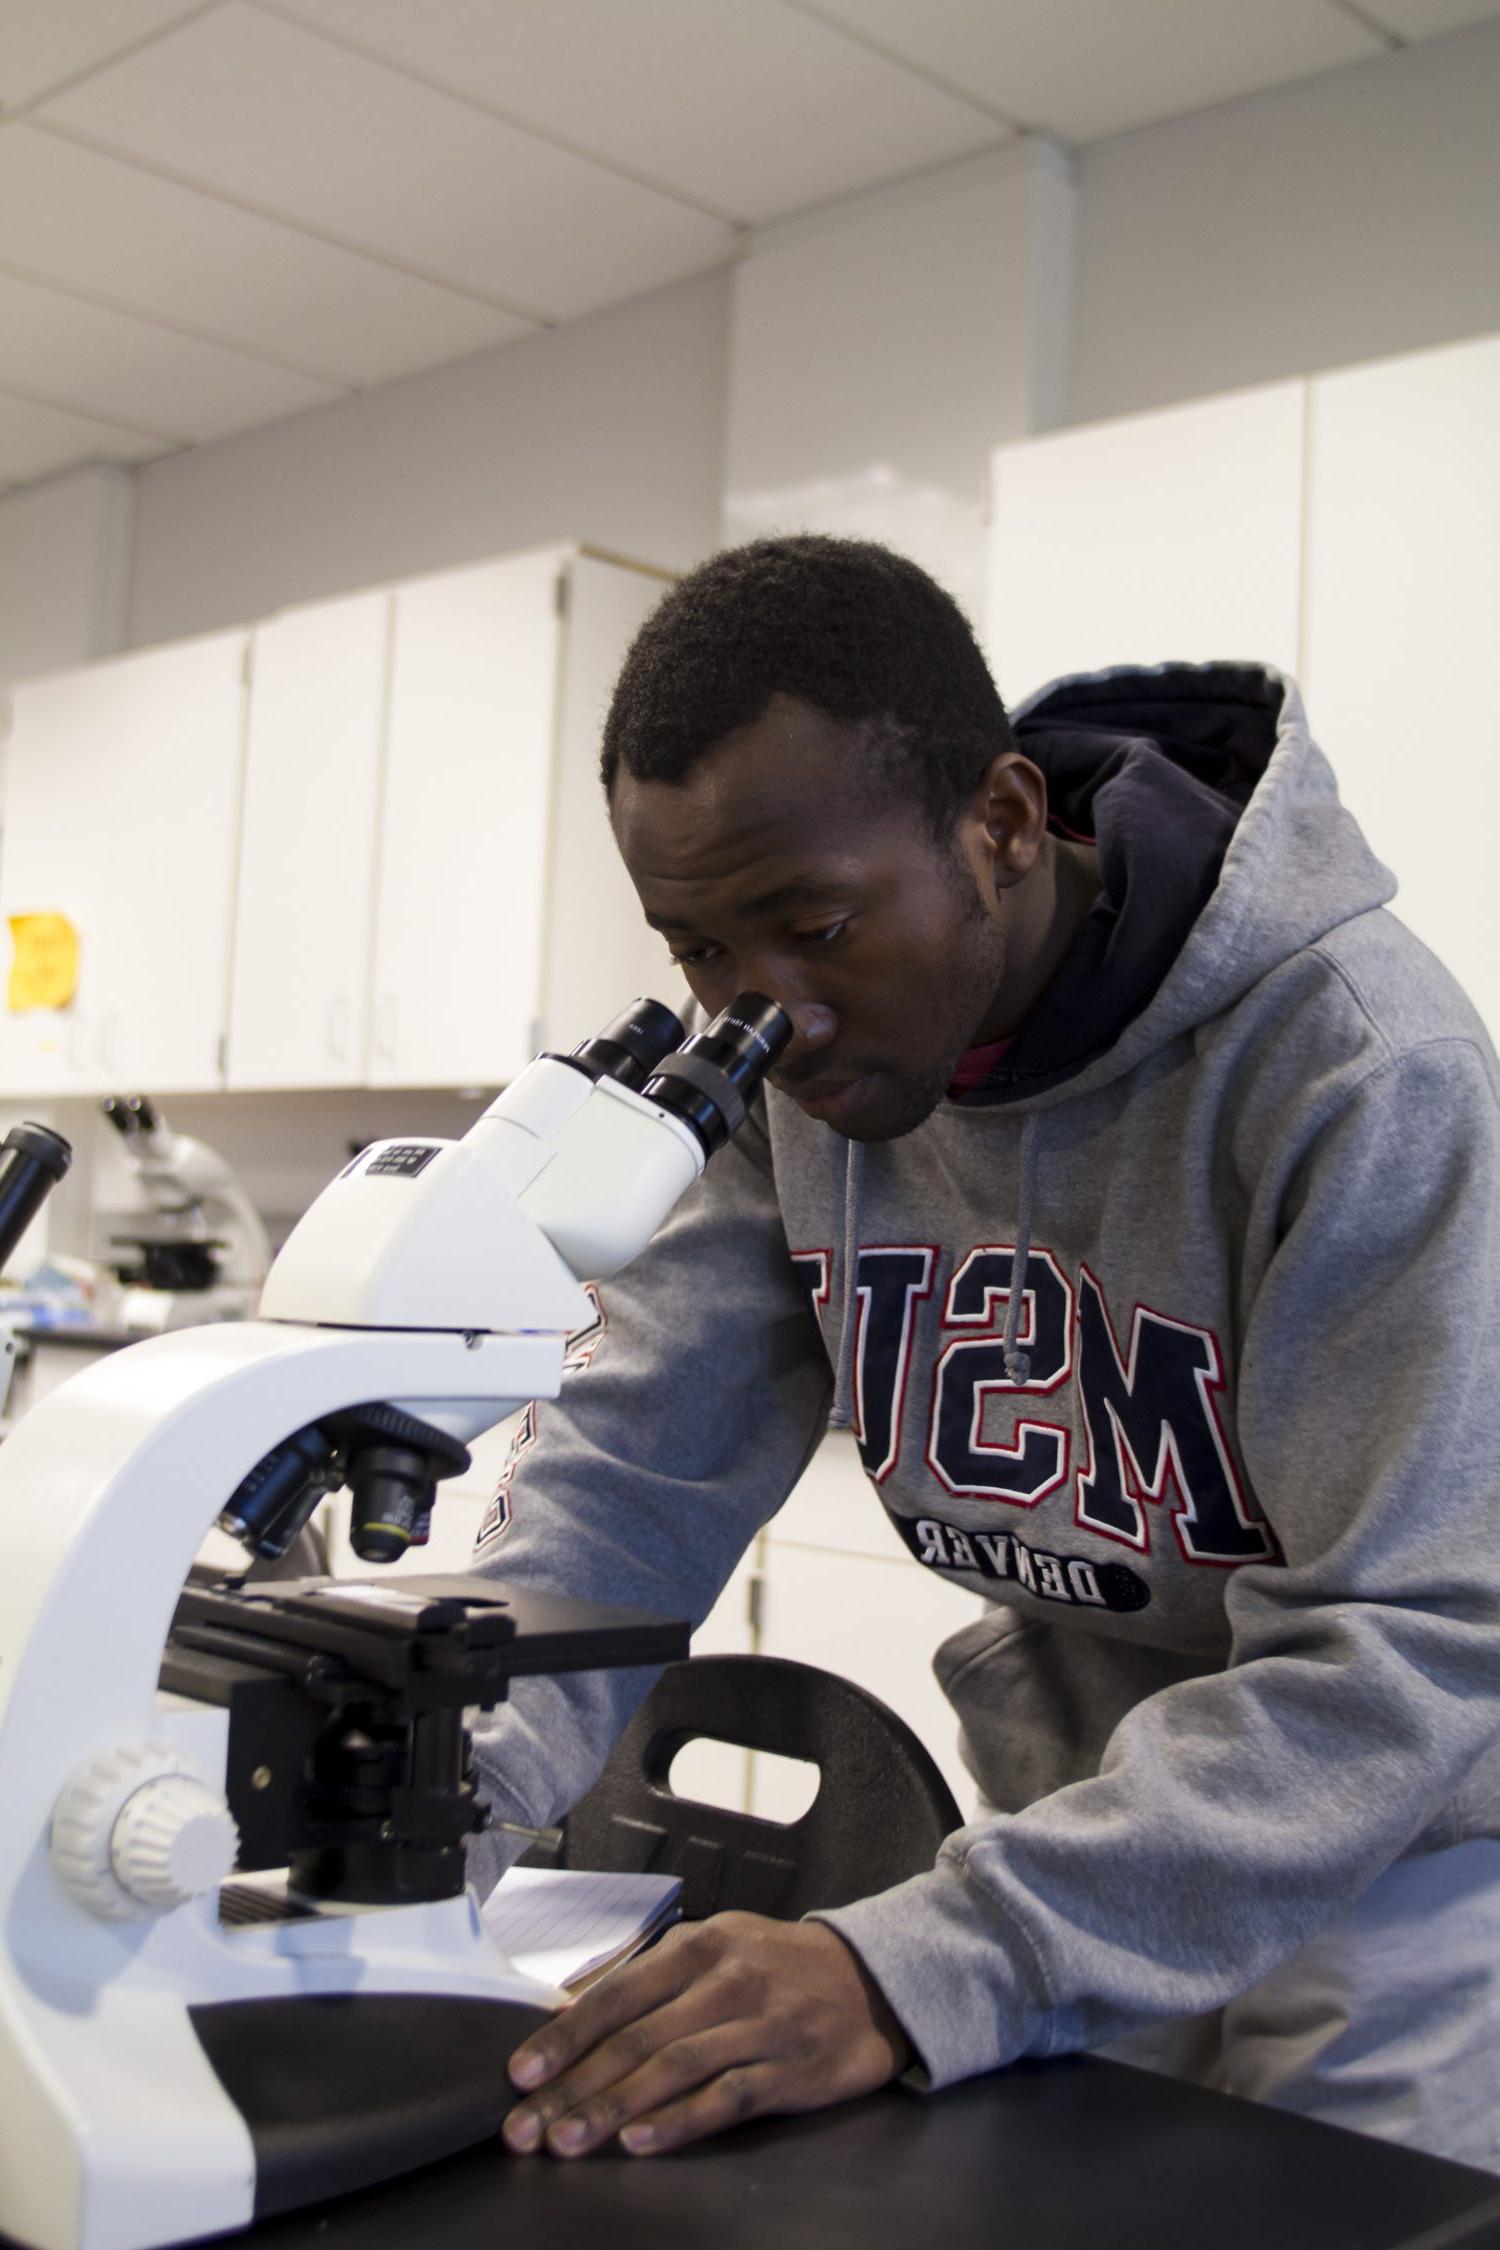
<point x="32" y="1160"/>
<point x="630" y="1048"/>
<point x="711" y="1082"/>
<point x="129" y="1114"/>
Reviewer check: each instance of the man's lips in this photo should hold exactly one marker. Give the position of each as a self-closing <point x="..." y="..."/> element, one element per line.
<point x="825" y="1097"/>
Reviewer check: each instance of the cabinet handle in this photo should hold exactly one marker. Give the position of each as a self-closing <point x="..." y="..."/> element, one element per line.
<point x="338" y="1028"/>
<point x="385" y="1027"/>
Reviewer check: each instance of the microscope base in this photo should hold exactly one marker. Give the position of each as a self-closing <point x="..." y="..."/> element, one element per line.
<point x="225" y="2073"/>
<point x="340" y="2093"/>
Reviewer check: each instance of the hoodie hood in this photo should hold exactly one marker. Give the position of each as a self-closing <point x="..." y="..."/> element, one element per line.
<point x="1222" y="846"/>
<point x="1223" y="851"/>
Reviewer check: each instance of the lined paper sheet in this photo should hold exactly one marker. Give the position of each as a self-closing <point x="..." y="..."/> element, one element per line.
<point x="560" y="1923"/>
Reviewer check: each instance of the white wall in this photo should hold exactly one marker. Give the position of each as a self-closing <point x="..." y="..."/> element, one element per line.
<point x="1339" y="219"/>
<point x="851" y="374"/>
<point x="854" y="371"/>
<point x="64" y="571"/>
<point x="609" y="430"/>
<point x="880" y="348"/>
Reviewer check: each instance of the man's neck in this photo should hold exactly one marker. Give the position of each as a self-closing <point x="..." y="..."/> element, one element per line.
<point x="1054" y="905"/>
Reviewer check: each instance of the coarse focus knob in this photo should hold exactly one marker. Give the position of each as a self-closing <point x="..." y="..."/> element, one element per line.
<point x="173" y="1840"/>
<point x="124" y="1860"/>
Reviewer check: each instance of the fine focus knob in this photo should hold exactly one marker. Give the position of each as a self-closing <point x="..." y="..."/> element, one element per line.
<point x="173" y="1841"/>
<point x="137" y="1830"/>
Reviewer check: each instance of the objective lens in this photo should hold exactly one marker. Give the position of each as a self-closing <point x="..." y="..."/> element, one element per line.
<point x="629" y="1048"/>
<point x="711" y="1082"/>
<point x="270" y="1506"/>
<point x="390" y="1501"/>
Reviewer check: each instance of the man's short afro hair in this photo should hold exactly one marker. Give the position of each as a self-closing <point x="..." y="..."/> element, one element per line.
<point x="852" y="628"/>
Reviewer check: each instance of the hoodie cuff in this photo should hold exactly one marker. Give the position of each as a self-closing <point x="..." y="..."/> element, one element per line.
<point x="969" y="1996"/>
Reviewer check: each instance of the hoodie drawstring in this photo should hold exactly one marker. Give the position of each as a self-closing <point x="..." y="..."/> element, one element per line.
<point x="843" y="1386"/>
<point x="1018" y="1362"/>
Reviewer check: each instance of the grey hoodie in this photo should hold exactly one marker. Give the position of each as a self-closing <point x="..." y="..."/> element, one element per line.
<point x="1225" y="1465"/>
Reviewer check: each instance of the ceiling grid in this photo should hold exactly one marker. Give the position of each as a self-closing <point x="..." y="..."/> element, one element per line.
<point x="216" y="213"/>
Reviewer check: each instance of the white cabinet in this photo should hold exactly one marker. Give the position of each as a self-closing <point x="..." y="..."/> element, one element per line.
<point x="504" y="920"/>
<point x="300" y="997"/>
<point x="122" y="797"/>
<point x="1346" y="529"/>
<point x="1161" y="537"/>
<point x="366" y="846"/>
<point x="1403" y="617"/>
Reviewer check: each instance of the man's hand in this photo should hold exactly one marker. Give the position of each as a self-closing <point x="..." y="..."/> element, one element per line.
<point x="726" y="2019"/>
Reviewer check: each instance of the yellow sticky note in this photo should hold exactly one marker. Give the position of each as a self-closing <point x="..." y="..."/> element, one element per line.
<point x="44" y="966"/>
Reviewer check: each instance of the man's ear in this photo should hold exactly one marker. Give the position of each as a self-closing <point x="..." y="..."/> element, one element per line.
<point x="1008" y="811"/>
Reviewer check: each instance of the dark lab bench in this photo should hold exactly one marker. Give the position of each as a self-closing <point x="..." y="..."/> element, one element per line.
<point x="1068" y="2155"/>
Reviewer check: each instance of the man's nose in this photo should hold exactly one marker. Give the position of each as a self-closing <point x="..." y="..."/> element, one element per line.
<point x="813" y="1028"/>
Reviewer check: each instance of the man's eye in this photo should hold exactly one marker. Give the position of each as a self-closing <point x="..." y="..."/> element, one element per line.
<point x="825" y="936"/>
<point x="692" y="956"/>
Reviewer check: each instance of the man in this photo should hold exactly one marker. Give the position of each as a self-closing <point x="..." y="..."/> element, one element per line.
<point x="1131" y="1178"/>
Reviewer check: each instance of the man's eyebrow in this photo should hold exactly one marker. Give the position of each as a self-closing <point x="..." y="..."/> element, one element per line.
<point x="788" y="894"/>
<point x="807" y="888"/>
<point x="803" y="889"/>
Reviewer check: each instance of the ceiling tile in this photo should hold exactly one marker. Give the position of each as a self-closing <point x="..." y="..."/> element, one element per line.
<point x="287" y="123"/>
<point x="1084" y="69"/>
<point x="90" y="224"/>
<point x="1427" y="19"/>
<point x="751" y="111"/>
<point x="94" y="362"/>
<point x="43" y="42"/>
<point x="37" y="441"/>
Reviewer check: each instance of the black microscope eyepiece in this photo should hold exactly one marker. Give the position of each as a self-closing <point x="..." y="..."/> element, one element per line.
<point x="32" y="1160"/>
<point x="711" y="1082"/>
<point x="630" y="1047"/>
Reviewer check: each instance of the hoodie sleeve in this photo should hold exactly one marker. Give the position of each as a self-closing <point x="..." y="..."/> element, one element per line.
<point x="649" y="1476"/>
<point x="1235" y="1814"/>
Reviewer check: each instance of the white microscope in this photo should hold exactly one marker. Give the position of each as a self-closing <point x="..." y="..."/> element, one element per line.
<point x="239" y="1969"/>
<point x="205" y="1252"/>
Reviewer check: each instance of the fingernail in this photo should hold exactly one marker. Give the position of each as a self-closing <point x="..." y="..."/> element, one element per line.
<point x="522" y="2129"/>
<point x="636" y="2139"/>
<point x="570" y="2134"/>
<point x="527" y="2069"/>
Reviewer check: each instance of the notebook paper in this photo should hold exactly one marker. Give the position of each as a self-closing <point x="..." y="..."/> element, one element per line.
<point x="559" y="1924"/>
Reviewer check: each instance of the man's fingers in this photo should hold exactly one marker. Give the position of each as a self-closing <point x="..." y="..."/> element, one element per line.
<point x="743" y="2091"/>
<point x="572" y="2118"/>
<point x="726" y="2019"/>
<point x="616" y="2000"/>
<point x="702" y="2028"/>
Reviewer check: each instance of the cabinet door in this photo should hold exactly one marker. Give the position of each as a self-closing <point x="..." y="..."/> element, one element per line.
<point x="1403" y="609"/>
<point x="599" y="955"/>
<point x="299" y="1000"/>
<point x="121" y="803"/>
<point x="463" y="851"/>
<point x="833" y="1504"/>
<point x="1161" y="537"/>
